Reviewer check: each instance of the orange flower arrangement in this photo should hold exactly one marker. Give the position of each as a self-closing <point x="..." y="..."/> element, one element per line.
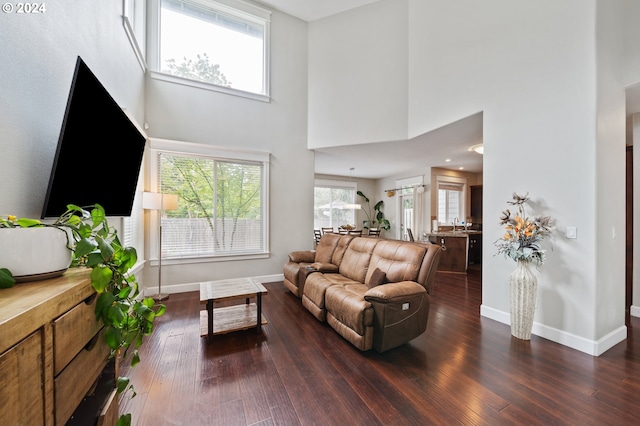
<point x="523" y="235"/>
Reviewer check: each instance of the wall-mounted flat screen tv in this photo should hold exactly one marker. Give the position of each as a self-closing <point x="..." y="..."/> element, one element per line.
<point x="99" y="152"/>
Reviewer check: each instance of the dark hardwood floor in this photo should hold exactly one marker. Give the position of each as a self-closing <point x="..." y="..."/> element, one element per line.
<point x="464" y="370"/>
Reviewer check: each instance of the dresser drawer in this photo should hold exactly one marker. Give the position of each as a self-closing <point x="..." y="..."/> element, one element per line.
<point x="75" y="381"/>
<point x="109" y="414"/>
<point x="72" y="331"/>
<point x="22" y="391"/>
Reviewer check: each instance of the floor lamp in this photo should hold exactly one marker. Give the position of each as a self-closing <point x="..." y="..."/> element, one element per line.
<point x="159" y="202"/>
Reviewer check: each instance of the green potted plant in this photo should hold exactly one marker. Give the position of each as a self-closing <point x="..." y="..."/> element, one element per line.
<point x="126" y="316"/>
<point x="379" y="215"/>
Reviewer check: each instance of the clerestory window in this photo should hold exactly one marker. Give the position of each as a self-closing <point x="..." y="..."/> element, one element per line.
<point x="219" y="45"/>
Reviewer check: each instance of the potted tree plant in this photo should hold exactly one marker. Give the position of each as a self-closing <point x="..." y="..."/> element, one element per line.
<point x="94" y="244"/>
<point x="378" y="219"/>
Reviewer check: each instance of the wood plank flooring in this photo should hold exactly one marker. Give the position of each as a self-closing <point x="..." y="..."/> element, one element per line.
<point x="465" y="370"/>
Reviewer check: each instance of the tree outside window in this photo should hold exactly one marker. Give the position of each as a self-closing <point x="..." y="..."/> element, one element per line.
<point x="212" y="43"/>
<point x="220" y="206"/>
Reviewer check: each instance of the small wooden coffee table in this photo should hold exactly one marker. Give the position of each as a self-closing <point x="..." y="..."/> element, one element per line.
<point x="231" y="318"/>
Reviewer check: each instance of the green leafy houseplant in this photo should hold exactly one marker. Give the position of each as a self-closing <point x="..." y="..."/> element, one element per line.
<point x="127" y="318"/>
<point x="379" y="215"/>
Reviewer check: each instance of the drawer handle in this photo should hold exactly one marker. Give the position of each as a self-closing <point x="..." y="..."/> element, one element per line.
<point x="92" y="343"/>
<point x="89" y="300"/>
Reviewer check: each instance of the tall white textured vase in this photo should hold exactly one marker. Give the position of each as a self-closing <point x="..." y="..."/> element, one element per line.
<point x="523" y="288"/>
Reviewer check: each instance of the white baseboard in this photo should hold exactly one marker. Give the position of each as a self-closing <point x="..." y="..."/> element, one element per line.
<point x="591" y="347"/>
<point x="184" y="288"/>
<point x="634" y="311"/>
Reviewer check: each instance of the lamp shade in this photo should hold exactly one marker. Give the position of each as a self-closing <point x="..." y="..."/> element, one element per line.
<point x="159" y="201"/>
<point x="151" y="200"/>
<point x="169" y="201"/>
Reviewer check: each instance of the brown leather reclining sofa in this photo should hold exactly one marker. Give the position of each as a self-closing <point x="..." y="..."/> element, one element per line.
<point x="373" y="292"/>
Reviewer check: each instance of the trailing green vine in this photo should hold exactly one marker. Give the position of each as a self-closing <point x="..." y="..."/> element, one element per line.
<point x="126" y="316"/>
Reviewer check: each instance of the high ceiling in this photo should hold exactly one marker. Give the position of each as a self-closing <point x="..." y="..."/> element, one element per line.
<point x="311" y="10"/>
<point x="379" y="160"/>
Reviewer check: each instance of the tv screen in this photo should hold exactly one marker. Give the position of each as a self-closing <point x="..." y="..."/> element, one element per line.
<point x="99" y="151"/>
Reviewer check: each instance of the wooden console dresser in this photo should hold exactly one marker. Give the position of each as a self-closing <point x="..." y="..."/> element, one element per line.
<point x="53" y="356"/>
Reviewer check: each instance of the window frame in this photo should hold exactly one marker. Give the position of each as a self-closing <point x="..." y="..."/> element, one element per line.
<point x="157" y="146"/>
<point x="232" y="7"/>
<point x="133" y="21"/>
<point x="463" y="196"/>
<point x="338" y="184"/>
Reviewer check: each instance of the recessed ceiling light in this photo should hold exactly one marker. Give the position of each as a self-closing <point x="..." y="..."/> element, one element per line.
<point x="448" y="160"/>
<point x="460" y="168"/>
<point x="479" y="148"/>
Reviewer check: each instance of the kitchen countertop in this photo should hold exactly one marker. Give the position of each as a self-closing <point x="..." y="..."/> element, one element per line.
<point x="454" y="234"/>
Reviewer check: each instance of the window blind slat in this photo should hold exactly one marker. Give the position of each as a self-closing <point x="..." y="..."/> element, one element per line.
<point x="220" y="209"/>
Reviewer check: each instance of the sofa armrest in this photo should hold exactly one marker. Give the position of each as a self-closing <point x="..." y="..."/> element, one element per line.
<point x="400" y="314"/>
<point x="394" y="292"/>
<point x="307" y="256"/>
<point x="325" y="267"/>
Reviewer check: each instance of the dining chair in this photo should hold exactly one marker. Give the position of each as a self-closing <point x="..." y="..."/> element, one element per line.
<point x="317" y="235"/>
<point x="410" y="234"/>
<point x="374" y="232"/>
<point x="327" y="231"/>
<point x="356" y="233"/>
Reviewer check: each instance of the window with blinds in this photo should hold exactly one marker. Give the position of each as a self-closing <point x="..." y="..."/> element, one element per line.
<point x="450" y="201"/>
<point x="334" y="204"/>
<point x="221" y="205"/>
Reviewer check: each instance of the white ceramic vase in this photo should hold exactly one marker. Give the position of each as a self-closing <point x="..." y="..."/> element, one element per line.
<point x="523" y="288"/>
<point x="34" y="253"/>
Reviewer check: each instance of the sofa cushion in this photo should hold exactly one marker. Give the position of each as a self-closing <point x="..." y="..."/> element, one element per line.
<point x="355" y="262"/>
<point x="378" y="277"/>
<point x="338" y="253"/>
<point x="401" y="261"/>
<point x="346" y="303"/>
<point x="316" y="285"/>
<point x="326" y="247"/>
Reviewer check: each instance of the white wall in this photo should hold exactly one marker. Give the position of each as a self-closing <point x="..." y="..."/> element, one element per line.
<point x="610" y="170"/>
<point x="358" y="76"/>
<point x="194" y="115"/>
<point x="631" y="42"/>
<point x="536" y="81"/>
<point x="37" y="58"/>
<point x="635" y="304"/>
<point x="545" y="78"/>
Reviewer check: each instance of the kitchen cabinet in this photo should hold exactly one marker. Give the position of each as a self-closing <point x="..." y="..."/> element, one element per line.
<point x="454" y="250"/>
<point x="476" y="206"/>
<point x="475" y="248"/>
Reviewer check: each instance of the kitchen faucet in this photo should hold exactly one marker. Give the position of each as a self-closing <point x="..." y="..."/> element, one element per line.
<point x="455" y="221"/>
